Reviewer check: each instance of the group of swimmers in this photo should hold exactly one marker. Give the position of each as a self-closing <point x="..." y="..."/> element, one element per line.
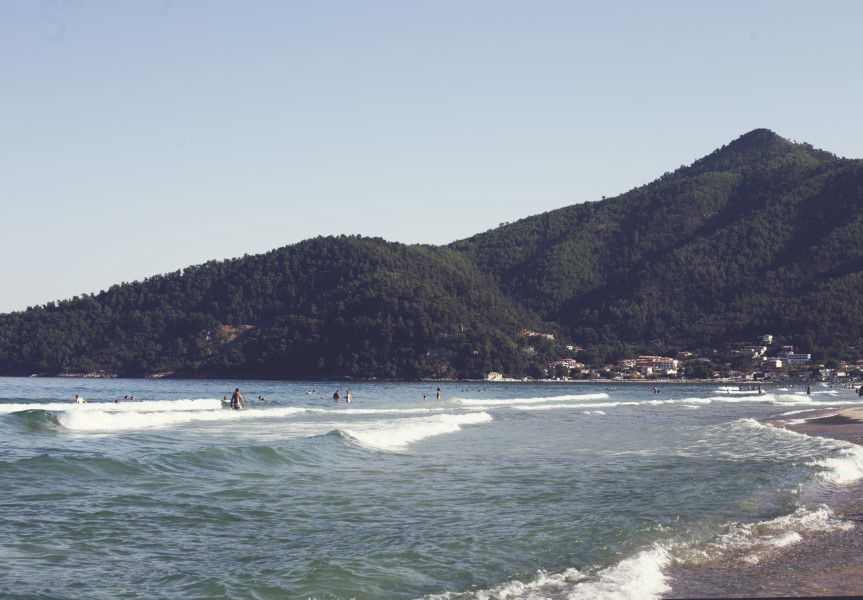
<point x="237" y="402"/>
<point x="126" y="398"/>
<point x="437" y="394"/>
<point x="337" y="395"/>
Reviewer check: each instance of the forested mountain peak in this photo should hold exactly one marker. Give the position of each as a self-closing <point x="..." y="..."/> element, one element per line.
<point x="760" y="140"/>
<point x="760" y="148"/>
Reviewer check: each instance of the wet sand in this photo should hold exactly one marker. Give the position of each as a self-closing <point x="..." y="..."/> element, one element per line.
<point x="829" y="564"/>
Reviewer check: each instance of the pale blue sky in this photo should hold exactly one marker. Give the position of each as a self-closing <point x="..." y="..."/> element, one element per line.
<point x="140" y="137"/>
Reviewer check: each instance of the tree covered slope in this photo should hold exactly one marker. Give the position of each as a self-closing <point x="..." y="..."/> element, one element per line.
<point x="761" y="235"/>
<point x="326" y="307"/>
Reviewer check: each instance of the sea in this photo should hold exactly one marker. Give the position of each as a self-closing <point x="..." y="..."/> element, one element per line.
<point x="495" y="491"/>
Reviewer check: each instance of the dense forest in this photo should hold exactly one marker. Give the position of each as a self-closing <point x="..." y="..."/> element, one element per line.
<point x="762" y="235"/>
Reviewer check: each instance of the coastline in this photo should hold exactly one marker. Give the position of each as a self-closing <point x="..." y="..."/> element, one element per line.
<point x="822" y="564"/>
<point x="184" y="377"/>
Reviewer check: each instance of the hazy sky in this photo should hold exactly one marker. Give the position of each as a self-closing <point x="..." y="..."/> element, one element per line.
<point x="140" y="137"/>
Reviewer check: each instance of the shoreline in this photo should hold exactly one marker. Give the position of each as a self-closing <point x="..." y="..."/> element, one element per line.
<point x="822" y="564"/>
<point x="767" y="386"/>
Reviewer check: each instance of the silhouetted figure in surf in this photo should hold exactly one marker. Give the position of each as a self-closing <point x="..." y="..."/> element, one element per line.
<point x="808" y="390"/>
<point x="237" y="400"/>
<point x="79" y="400"/>
<point x="437" y="394"/>
<point x="337" y="395"/>
<point x="348" y="397"/>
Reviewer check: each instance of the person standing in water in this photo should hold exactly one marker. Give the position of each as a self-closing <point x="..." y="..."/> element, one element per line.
<point x="348" y="397"/>
<point x="237" y="400"/>
<point x="79" y="400"/>
<point x="437" y="393"/>
<point x="337" y="395"/>
<point x="808" y="389"/>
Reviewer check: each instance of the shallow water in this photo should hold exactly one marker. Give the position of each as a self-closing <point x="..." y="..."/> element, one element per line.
<point x="499" y="491"/>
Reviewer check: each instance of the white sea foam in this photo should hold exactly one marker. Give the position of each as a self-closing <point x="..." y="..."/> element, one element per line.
<point x="396" y="434"/>
<point x="752" y="541"/>
<point x="143" y="406"/>
<point x="844" y="468"/>
<point x="642" y="575"/>
<point x="105" y="421"/>
<point x="373" y="411"/>
<point x="532" y="400"/>
<point x="639" y="577"/>
<point x="544" y="585"/>
<point x="580" y="407"/>
<point x="735" y="391"/>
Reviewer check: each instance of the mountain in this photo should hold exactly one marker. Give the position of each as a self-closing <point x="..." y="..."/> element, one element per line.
<point x="326" y="307"/>
<point x="762" y="235"/>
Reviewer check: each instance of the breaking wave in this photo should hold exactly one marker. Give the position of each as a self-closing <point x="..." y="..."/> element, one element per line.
<point x="106" y="421"/>
<point x="143" y="406"/>
<point x="396" y="434"/>
<point x="643" y="576"/>
<point x="532" y="400"/>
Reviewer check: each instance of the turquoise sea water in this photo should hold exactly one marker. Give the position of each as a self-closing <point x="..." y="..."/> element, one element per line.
<point x="505" y="490"/>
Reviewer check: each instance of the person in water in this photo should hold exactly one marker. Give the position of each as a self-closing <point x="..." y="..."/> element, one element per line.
<point x="808" y="389"/>
<point x="237" y="400"/>
<point x="348" y="396"/>
<point x="425" y="397"/>
<point x="261" y="399"/>
<point x="79" y="400"/>
<point x="337" y="395"/>
<point x="437" y="393"/>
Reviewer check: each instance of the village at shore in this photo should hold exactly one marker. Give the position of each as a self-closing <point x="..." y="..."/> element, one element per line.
<point x="766" y="359"/>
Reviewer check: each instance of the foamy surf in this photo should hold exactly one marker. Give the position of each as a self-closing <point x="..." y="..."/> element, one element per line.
<point x="142" y="406"/>
<point x="643" y="576"/>
<point x="639" y="577"/>
<point x="752" y="542"/>
<point x="397" y="434"/>
<point x="844" y="468"/>
<point x="532" y="400"/>
<point x="105" y="421"/>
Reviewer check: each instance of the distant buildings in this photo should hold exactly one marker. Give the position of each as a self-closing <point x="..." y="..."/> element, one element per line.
<point x="567" y="363"/>
<point x="793" y="359"/>
<point x="530" y="333"/>
<point x="650" y="365"/>
<point x="756" y="351"/>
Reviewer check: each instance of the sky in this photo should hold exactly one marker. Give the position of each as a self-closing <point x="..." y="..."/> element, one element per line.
<point x="137" y="138"/>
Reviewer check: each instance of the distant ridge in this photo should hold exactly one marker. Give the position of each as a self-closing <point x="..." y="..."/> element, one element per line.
<point x="761" y="235"/>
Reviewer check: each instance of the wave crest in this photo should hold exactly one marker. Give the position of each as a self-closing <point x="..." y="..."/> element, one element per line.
<point x="396" y="434"/>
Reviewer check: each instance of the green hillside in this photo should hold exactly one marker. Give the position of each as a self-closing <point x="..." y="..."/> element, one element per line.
<point x="761" y="235"/>
<point x="326" y="307"/>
